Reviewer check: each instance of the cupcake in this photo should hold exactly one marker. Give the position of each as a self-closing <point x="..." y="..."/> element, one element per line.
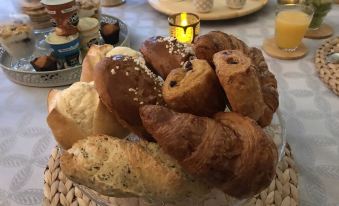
<point x="110" y="32"/>
<point x="17" y="39"/>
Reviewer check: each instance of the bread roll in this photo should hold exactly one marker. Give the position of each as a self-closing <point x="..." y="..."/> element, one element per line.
<point x="77" y="112"/>
<point x="121" y="168"/>
<point x="124" y="84"/>
<point x="194" y="89"/>
<point x="163" y="54"/>
<point x="237" y="76"/>
<point x="94" y="55"/>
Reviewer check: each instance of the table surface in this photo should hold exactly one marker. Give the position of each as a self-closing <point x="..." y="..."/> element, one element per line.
<point x="310" y="109"/>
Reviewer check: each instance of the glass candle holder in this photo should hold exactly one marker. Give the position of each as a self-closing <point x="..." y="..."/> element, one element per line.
<point x="184" y="26"/>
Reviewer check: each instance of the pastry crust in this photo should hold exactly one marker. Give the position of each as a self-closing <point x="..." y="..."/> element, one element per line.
<point x="124" y="84"/>
<point x="77" y="112"/>
<point x="238" y="77"/>
<point x="94" y="55"/>
<point x="194" y="89"/>
<point x="268" y="85"/>
<point x="163" y="54"/>
<point x="121" y="168"/>
<point x="205" y="46"/>
<point x="231" y="153"/>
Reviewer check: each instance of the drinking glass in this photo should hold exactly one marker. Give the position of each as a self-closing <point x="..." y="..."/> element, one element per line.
<point x="321" y="9"/>
<point x="291" y="24"/>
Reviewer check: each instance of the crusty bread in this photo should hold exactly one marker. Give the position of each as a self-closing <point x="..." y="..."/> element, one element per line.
<point x="121" y="168"/>
<point x="124" y="83"/>
<point x="77" y="112"/>
<point x="94" y="55"/>
<point x="163" y="54"/>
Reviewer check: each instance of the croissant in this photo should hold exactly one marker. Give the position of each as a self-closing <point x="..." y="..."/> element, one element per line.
<point x="205" y="46"/>
<point x="230" y="152"/>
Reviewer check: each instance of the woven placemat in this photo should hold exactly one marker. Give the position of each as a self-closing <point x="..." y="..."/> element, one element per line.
<point x="283" y="191"/>
<point x="329" y="73"/>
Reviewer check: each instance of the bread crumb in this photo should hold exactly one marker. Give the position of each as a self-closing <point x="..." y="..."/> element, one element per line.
<point x="113" y="72"/>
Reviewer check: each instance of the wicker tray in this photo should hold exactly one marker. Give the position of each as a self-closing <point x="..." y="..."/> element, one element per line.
<point x="328" y="73"/>
<point x="58" y="190"/>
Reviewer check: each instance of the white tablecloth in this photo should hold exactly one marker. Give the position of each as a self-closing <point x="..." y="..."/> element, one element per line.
<point x="310" y="109"/>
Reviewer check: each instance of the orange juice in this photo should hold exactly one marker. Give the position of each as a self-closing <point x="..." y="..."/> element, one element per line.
<point x="290" y="28"/>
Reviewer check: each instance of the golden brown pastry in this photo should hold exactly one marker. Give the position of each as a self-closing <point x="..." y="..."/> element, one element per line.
<point x="121" y="168"/>
<point x="77" y="112"/>
<point x="268" y="85"/>
<point x="124" y="83"/>
<point x="94" y="55"/>
<point x="163" y="54"/>
<point x="238" y="77"/>
<point x="230" y="152"/>
<point x="205" y="46"/>
<point x="194" y="89"/>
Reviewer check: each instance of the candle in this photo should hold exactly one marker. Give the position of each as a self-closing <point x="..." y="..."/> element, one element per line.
<point x="184" y="26"/>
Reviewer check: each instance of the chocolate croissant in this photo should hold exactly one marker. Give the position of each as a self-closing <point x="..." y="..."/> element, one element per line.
<point x="194" y="89"/>
<point x="205" y="46"/>
<point x="237" y="76"/>
<point x="163" y="54"/>
<point x="268" y="85"/>
<point x="230" y="152"/>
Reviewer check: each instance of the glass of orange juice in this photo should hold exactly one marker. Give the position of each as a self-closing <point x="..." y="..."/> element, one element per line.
<point x="291" y="24"/>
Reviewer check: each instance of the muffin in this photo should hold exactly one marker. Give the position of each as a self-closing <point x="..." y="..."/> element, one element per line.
<point x="110" y="32"/>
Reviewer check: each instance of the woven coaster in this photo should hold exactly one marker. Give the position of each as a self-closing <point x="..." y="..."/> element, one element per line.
<point x="283" y="191"/>
<point x="272" y="49"/>
<point x="323" y="32"/>
<point x="329" y="73"/>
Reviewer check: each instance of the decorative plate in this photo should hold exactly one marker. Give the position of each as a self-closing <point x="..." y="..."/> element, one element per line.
<point x="30" y="77"/>
<point x="220" y="10"/>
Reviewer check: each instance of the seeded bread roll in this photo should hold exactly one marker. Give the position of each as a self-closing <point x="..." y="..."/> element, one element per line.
<point x="194" y="89"/>
<point x="124" y="83"/>
<point x="163" y="54"/>
<point x="122" y="168"/>
<point x="77" y="112"/>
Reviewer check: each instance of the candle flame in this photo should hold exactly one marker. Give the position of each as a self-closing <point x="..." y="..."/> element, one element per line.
<point x="183" y="17"/>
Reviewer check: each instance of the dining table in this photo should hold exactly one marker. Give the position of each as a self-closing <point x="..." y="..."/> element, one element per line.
<point x="309" y="108"/>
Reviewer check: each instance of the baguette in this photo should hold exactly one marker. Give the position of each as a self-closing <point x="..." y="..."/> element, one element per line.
<point x="121" y="168"/>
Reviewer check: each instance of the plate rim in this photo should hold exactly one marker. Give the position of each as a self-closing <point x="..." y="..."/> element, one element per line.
<point x="67" y="69"/>
<point x="156" y="4"/>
